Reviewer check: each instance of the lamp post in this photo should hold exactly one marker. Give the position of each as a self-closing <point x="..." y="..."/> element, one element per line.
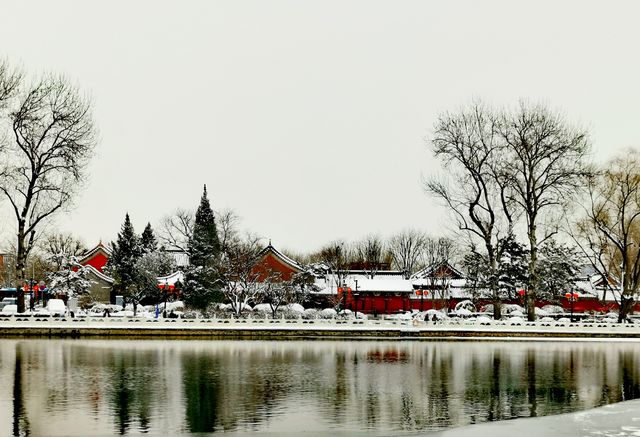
<point x="166" y="288"/>
<point x="422" y="293"/>
<point x="344" y="290"/>
<point x="355" y="298"/>
<point x="571" y="297"/>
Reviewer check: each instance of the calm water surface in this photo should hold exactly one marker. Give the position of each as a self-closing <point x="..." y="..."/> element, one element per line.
<point x="106" y="387"/>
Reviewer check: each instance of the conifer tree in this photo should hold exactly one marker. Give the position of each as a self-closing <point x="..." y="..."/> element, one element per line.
<point x="201" y="280"/>
<point x="204" y="246"/>
<point x="126" y="252"/>
<point x="149" y="242"/>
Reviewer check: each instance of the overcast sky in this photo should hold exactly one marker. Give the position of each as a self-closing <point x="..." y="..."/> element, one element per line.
<point x="310" y="118"/>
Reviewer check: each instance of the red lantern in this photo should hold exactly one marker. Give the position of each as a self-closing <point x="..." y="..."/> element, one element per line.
<point x="521" y="292"/>
<point x="349" y="290"/>
<point x="339" y="289"/>
<point x="419" y="292"/>
<point x="575" y="296"/>
<point x="567" y="295"/>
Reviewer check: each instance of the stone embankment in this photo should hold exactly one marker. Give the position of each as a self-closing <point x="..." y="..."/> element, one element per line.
<point x="289" y="329"/>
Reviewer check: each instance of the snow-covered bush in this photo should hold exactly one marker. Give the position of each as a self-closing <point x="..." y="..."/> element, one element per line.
<point x="311" y="314"/>
<point x="463" y="312"/>
<point x="511" y="308"/>
<point x="553" y="309"/>
<point x="540" y="312"/>
<point x="328" y="313"/>
<point x="295" y="307"/>
<point x="487" y="309"/>
<point x="483" y="319"/>
<point x="262" y="310"/>
<point x="467" y="305"/>
<point x="427" y="316"/>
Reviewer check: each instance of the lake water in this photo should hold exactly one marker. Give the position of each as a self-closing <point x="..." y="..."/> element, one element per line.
<point x="173" y="387"/>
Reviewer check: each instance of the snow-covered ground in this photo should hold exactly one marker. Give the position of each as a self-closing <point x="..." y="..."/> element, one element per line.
<point x="622" y="419"/>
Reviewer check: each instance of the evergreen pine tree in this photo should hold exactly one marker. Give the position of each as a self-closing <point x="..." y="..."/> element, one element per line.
<point x="204" y="246"/>
<point x="149" y="242"/>
<point x="201" y="280"/>
<point x="125" y="253"/>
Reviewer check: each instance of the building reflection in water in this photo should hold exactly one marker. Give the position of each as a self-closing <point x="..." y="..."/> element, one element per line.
<point x="82" y="387"/>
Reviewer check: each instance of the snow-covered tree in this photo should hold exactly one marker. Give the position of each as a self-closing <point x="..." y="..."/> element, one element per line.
<point x="201" y="277"/>
<point x="57" y="244"/>
<point x="125" y="253"/>
<point x="512" y="267"/>
<point x="71" y="278"/>
<point x="276" y="294"/>
<point x="558" y="269"/>
<point x="47" y="136"/>
<point x="148" y="240"/>
<point x="146" y="271"/>
<point x="242" y="282"/>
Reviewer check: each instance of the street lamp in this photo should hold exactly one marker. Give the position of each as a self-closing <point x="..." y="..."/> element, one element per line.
<point x="344" y="290"/>
<point x="571" y="297"/>
<point x="422" y="293"/>
<point x="522" y="293"/>
<point x="355" y="297"/>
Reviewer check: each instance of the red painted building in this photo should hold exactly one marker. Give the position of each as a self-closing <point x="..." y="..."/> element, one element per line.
<point x="96" y="257"/>
<point x="276" y="265"/>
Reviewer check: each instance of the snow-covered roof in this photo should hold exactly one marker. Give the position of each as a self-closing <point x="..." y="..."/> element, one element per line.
<point x="429" y="282"/>
<point x="99" y="274"/>
<point x="88" y="254"/>
<point x="429" y="270"/>
<point x="284" y="258"/>
<point x="172" y="278"/>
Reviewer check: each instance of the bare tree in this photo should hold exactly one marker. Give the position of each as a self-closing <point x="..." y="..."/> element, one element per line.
<point x="176" y="229"/>
<point x="335" y="257"/>
<point x="546" y="165"/>
<point x="53" y="140"/>
<point x="471" y="148"/>
<point x="610" y="232"/>
<point x="227" y="224"/>
<point x="10" y="80"/>
<point x="241" y="280"/>
<point x="369" y="254"/>
<point x="407" y="250"/>
<point x="438" y="252"/>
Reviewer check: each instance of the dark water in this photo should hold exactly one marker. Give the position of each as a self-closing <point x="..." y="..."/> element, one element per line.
<point x="87" y="387"/>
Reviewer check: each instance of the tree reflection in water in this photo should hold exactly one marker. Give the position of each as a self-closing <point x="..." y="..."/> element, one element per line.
<point x="86" y="387"/>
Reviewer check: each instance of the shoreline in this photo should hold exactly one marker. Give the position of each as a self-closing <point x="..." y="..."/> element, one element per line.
<point x="314" y="329"/>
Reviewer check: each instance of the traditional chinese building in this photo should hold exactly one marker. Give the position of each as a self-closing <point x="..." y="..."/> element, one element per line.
<point x="276" y="265"/>
<point x="96" y="257"/>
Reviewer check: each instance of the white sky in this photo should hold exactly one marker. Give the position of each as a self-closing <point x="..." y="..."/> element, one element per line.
<point x="309" y="118"/>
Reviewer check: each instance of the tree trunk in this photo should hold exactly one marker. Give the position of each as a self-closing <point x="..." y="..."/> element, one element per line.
<point x="21" y="261"/>
<point x="626" y="305"/>
<point x="532" y="285"/>
<point x="495" y="291"/>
